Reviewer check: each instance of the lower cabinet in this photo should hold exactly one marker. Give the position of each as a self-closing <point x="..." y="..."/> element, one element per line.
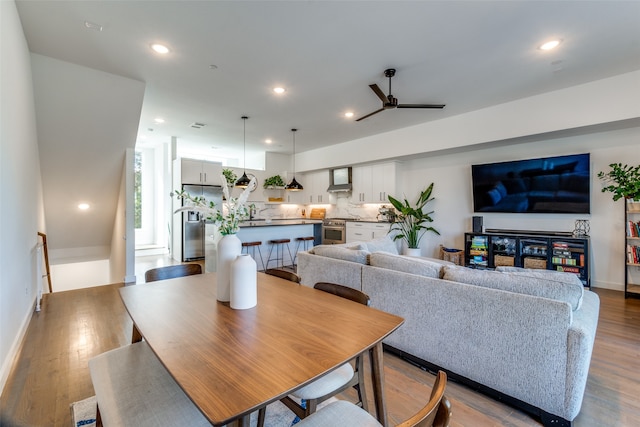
<point x="546" y="252"/>
<point x="365" y="231"/>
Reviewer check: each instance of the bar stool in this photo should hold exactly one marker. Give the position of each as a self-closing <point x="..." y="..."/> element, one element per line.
<point x="279" y="245"/>
<point x="304" y="241"/>
<point x="253" y="245"/>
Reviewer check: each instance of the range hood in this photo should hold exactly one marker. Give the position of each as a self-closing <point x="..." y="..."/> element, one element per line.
<point x="339" y="180"/>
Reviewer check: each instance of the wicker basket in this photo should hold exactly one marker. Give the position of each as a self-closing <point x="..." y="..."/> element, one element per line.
<point x="502" y="260"/>
<point x="535" y="263"/>
<point x="454" y="256"/>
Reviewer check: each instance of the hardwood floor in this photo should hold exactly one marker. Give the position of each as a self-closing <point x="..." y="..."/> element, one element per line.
<point x="51" y="371"/>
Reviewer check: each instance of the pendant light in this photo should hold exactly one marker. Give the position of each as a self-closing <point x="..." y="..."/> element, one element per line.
<point x="294" y="185"/>
<point x="244" y="180"/>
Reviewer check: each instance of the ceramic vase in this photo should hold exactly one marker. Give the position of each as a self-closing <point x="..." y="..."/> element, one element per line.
<point x="414" y="252"/>
<point x="244" y="283"/>
<point x="229" y="247"/>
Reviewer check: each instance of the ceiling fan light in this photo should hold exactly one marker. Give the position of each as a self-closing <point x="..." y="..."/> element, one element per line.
<point x="243" y="182"/>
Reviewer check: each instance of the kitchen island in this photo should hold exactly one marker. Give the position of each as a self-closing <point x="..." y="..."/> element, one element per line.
<point x="263" y="231"/>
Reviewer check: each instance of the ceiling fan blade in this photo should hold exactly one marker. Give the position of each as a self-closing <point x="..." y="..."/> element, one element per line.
<point x="420" y="106"/>
<point x="374" y="87"/>
<point x="369" y="115"/>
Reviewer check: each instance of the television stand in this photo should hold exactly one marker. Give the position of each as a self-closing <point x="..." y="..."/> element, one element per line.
<point x="529" y="249"/>
<point x="530" y="232"/>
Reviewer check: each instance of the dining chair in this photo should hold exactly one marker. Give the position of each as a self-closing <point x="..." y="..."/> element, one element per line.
<point x="134" y="389"/>
<point x="436" y="413"/>
<point x="335" y="381"/>
<point x="172" y="271"/>
<point x="283" y="274"/>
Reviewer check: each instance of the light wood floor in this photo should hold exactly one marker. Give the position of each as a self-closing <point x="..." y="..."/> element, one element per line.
<point x="51" y="371"/>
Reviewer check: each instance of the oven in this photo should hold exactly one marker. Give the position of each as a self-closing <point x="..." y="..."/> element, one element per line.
<point x="334" y="231"/>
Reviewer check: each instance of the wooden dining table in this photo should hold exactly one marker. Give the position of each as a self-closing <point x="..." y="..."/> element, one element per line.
<point x="233" y="362"/>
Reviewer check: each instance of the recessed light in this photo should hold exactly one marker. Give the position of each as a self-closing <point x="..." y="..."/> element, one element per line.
<point x="348" y="114"/>
<point x="268" y="141"/>
<point x="83" y="206"/>
<point x="93" y="26"/>
<point x="160" y="48"/>
<point x="158" y="120"/>
<point x="549" y="45"/>
<point x="278" y="90"/>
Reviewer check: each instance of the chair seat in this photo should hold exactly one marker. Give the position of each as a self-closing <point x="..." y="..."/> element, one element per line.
<point x="326" y="384"/>
<point x="134" y="389"/>
<point x="339" y="413"/>
<point x="251" y="244"/>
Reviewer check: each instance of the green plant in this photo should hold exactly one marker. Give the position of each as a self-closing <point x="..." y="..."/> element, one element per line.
<point x="411" y="220"/>
<point x="274" y="181"/>
<point x="229" y="176"/>
<point x="622" y="180"/>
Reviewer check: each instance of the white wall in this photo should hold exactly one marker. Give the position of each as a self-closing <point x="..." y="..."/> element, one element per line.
<point x="21" y="205"/>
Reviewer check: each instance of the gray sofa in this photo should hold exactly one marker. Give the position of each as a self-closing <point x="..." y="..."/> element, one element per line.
<point x="524" y="337"/>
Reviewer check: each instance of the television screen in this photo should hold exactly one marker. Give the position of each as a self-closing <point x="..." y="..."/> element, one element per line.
<point x="548" y="185"/>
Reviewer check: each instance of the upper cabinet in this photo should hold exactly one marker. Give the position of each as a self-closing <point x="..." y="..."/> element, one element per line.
<point x="200" y="172"/>
<point x="315" y="187"/>
<point x="374" y="183"/>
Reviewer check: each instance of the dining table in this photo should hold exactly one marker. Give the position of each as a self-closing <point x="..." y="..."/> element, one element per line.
<point x="231" y="363"/>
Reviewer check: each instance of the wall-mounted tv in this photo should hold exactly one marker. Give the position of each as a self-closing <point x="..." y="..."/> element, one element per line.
<point x="547" y="185"/>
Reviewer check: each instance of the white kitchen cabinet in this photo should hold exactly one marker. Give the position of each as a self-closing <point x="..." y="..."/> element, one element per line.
<point x="200" y="172"/>
<point x="315" y="188"/>
<point x="366" y="231"/>
<point x="374" y="183"/>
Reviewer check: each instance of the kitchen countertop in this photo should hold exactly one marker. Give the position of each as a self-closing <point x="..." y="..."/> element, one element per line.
<point x="278" y="222"/>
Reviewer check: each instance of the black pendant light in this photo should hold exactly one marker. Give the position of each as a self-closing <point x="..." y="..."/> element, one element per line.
<point x="244" y="180"/>
<point x="294" y="185"/>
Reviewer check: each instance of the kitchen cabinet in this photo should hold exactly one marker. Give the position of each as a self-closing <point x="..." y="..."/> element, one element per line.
<point x="366" y="231"/>
<point x="200" y="172"/>
<point x="315" y="187"/>
<point x="374" y="183"/>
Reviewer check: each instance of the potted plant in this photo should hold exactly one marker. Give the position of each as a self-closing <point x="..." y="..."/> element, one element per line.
<point x="230" y="177"/>
<point x="275" y="181"/>
<point x="623" y="181"/>
<point x="410" y="221"/>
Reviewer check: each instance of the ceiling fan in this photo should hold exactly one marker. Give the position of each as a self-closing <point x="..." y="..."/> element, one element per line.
<point x="390" y="102"/>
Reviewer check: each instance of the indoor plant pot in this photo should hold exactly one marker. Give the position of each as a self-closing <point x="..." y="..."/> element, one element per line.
<point x="410" y="221"/>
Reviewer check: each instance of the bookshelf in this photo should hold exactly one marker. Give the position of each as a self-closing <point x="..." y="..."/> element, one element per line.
<point x="552" y="251"/>
<point x="632" y="249"/>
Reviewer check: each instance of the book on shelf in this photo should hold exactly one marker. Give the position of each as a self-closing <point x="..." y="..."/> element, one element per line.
<point x="633" y="254"/>
<point x="633" y="229"/>
<point x="568" y="269"/>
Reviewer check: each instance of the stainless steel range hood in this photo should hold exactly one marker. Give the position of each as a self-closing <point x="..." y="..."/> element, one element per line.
<point x="340" y="180"/>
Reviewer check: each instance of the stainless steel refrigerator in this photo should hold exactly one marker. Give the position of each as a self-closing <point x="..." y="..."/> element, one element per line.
<point x="193" y="234"/>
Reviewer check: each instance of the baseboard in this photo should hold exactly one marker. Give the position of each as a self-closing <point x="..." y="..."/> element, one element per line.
<point x="14" y="350"/>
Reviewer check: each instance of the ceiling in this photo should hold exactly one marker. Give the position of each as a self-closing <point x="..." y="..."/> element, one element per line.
<point x="226" y="57"/>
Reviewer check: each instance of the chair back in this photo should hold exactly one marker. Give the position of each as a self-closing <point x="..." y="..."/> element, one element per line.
<point x="344" y="292"/>
<point x="283" y="274"/>
<point x="171" y="272"/>
<point x="433" y="411"/>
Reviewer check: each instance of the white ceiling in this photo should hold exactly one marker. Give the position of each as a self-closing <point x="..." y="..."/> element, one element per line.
<point x="467" y="55"/>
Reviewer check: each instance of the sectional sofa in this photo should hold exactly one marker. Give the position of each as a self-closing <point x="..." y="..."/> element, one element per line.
<point x="521" y="336"/>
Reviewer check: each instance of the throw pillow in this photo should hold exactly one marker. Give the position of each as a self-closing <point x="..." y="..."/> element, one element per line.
<point x="384" y="244"/>
<point x="345" y="254"/>
<point x="411" y="265"/>
<point x="524" y="283"/>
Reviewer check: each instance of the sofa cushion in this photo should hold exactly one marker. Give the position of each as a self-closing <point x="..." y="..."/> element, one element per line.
<point x="344" y="253"/>
<point x="540" y="283"/>
<point x="384" y="244"/>
<point x="405" y="264"/>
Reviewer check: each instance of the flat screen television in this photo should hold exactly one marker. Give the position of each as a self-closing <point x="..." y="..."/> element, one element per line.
<point x="558" y="184"/>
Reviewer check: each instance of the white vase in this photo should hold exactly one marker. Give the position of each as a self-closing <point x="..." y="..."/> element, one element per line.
<point x="414" y="252"/>
<point x="229" y="247"/>
<point x="244" y="283"/>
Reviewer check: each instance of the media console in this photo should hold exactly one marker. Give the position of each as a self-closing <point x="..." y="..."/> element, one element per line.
<point x="529" y="249"/>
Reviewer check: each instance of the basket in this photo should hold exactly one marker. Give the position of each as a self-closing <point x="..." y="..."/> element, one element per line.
<point x="503" y="260"/>
<point x="535" y="263"/>
<point x="455" y="256"/>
